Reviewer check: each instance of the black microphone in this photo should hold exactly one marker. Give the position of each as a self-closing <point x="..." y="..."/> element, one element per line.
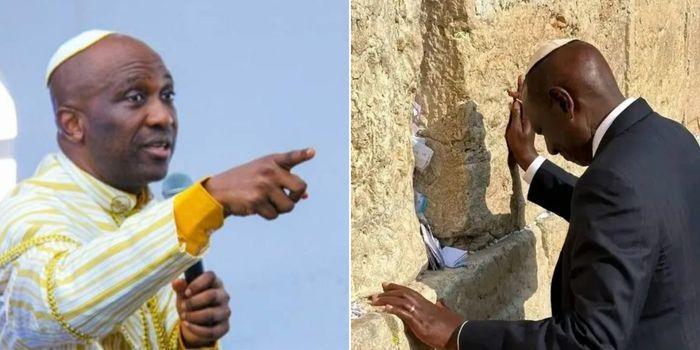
<point x="172" y="185"/>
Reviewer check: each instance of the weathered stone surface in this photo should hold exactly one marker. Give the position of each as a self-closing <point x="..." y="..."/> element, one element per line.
<point x="496" y="282"/>
<point x="386" y="51"/>
<point x="691" y="114"/>
<point x="381" y="331"/>
<point x="378" y="330"/>
<point x="660" y="52"/>
<point x="551" y="233"/>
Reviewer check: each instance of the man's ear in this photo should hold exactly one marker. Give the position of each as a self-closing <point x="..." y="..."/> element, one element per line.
<point x="562" y="98"/>
<point x="71" y="124"/>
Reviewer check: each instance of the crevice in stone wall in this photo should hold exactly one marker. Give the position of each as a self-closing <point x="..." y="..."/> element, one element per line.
<point x="457" y="180"/>
<point x="626" y="78"/>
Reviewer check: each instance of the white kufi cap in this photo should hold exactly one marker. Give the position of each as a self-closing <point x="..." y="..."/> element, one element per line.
<point x="545" y="49"/>
<point x="74" y="46"/>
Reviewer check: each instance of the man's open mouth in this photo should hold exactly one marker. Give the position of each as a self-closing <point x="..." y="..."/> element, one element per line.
<point x="159" y="149"/>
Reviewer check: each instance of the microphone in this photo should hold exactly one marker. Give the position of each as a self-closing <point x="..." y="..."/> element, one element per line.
<point x="172" y="185"/>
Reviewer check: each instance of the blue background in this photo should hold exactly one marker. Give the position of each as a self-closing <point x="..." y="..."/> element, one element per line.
<point x="252" y="78"/>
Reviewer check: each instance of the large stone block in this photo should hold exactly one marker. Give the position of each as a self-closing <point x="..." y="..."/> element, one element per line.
<point x="497" y="281"/>
<point x="385" y="52"/>
<point x="664" y="58"/>
<point x="377" y="330"/>
<point x="659" y="55"/>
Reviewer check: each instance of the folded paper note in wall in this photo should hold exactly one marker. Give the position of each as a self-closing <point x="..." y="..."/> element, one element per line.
<point x="432" y="246"/>
<point x="454" y="257"/>
<point x="440" y="257"/>
<point x="421" y="152"/>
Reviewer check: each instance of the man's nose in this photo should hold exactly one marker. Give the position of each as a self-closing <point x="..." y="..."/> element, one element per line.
<point x="162" y="116"/>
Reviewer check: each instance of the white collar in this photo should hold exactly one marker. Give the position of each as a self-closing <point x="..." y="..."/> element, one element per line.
<point x="609" y="119"/>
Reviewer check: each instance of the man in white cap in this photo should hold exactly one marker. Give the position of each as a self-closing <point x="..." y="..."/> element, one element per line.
<point x="86" y="256"/>
<point x="627" y="273"/>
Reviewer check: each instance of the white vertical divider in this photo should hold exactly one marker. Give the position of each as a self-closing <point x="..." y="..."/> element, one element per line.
<point x="8" y="132"/>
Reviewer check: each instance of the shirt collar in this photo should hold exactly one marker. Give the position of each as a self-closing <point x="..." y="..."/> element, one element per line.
<point x="609" y="119"/>
<point x="119" y="204"/>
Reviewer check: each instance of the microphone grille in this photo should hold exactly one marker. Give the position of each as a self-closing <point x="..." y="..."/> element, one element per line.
<point x="175" y="183"/>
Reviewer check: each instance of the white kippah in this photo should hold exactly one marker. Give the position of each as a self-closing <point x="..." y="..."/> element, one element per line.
<point x="72" y="47"/>
<point x="545" y="49"/>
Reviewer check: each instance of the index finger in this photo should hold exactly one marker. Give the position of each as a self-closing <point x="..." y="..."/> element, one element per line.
<point x="514" y="120"/>
<point x="393" y="286"/>
<point x="291" y="159"/>
<point x="179" y="286"/>
<point x="520" y="85"/>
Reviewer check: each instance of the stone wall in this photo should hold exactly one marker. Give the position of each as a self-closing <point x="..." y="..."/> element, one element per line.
<point x="456" y="58"/>
<point x="386" y="52"/>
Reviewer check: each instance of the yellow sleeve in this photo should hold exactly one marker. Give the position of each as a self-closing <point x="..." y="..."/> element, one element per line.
<point x="197" y="214"/>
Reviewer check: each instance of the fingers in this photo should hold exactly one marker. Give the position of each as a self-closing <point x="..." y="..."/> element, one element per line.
<point x="281" y="201"/>
<point x="404" y="314"/>
<point x="525" y="122"/>
<point x="266" y="210"/>
<point x="291" y="159"/>
<point x="396" y="292"/>
<point x="207" y="298"/>
<point x="398" y="306"/>
<point x="209" y="333"/>
<point x="515" y="112"/>
<point x="179" y="285"/>
<point x="295" y="185"/>
<point x="392" y="286"/>
<point x="518" y="93"/>
<point x="520" y="84"/>
<point x="202" y="282"/>
<point x="390" y="300"/>
<point x="208" y="316"/>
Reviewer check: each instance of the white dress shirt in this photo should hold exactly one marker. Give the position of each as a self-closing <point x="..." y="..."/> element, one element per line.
<point x="597" y="137"/>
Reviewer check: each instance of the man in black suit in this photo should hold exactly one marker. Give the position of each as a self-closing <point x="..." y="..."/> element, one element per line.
<point x="628" y="276"/>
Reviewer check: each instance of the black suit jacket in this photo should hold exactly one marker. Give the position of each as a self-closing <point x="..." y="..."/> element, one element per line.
<point x="628" y="275"/>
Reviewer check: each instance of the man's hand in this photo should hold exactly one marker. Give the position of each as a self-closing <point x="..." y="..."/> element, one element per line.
<point x="519" y="134"/>
<point x="203" y="309"/>
<point x="433" y="324"/>
<point x="260" y="187"/>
